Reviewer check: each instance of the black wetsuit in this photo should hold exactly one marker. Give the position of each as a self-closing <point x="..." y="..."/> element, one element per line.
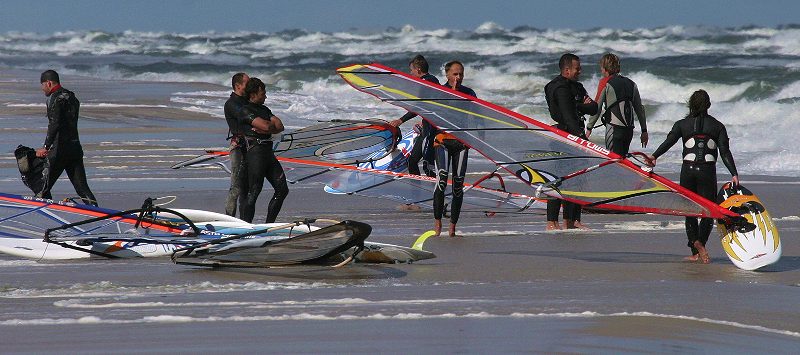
<point x="423" y="144"/>
<point x="565" y="102"/>
<point x="704" y="140"/>
<point x="451" y="155"/>
<point x="261" y="163"/>
<point x="64" y="146"/>
<point x="234" y="111"/>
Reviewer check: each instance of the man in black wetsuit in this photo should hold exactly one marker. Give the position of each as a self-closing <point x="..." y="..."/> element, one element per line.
<point x="567" y="102"/>
<point x="451" y="155"/>
<point x="62" y="146"/>
<point x="704" y="139"/>
<point x="259" y="124"/>
<point x="234" y="109"/>
<point x="423" y="144"/>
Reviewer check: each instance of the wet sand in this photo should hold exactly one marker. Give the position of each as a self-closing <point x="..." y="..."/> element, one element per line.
<point x="506" y="286"/>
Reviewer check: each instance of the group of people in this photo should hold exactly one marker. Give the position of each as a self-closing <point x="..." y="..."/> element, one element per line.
<point x="618" y="104"/>
<point x="252" y="125"/>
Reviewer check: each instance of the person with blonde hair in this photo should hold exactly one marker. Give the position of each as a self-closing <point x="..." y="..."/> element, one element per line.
<point x="619" y="96"/>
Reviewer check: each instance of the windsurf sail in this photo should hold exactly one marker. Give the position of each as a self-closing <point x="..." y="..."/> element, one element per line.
<point x="315" y="246"/>
<point x="26" y="220"/>
<point x="365" y="181"/>
<point x="335" y="141"/>
<point x="339" y="141"/>
<point x="550" y="162"/>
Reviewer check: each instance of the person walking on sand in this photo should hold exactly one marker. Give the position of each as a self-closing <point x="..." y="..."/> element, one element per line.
<point x="623" y="106"/>
<point x="704" y="139"/>
<point x="62" y="145"/>
<point x="567" y="102"/>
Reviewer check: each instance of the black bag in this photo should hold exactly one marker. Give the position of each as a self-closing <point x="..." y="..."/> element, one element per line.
<point x="31" y="167"/>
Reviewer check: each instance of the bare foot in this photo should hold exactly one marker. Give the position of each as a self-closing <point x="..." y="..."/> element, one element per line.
<point x="580" y="225"/>
<point x="693" y="258"/>
<point x="437" y="227"/>
<point x="702" y="253"/>
<point x="453" y="231"/>
<point x="553" y="226"/>
<point x="408" y="207"/>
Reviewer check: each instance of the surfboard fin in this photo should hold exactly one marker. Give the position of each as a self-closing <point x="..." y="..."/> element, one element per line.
<point x="421" y="240"/>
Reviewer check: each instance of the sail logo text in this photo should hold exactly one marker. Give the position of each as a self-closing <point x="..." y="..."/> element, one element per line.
<point x="588" y="144"/>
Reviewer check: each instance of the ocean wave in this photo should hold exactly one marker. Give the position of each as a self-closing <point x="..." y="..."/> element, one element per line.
<point x="486" y="39"/>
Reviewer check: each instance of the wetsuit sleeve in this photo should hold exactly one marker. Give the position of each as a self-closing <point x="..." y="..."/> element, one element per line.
<point x="725" y="152"/>
<point x="408" y="116"/>
<point x="588" y="109"/>
<point x="601" y="100"/>
<point x="568" y="115"/>
<point x="244" y="116"/>
<point x="672" y="138"/>
<point x="639" y="108"/>
<point x="54" y="122"/>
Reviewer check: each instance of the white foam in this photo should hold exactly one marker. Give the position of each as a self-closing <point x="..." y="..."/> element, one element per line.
<point x="166" y="318"/>
<point x="657" y="89"/>
<point x="491" y="233"/>
<point x="110" y="289"/>
<point x="787" y="218"/>
<point x="84" y="304"/>
<point x="644" y="226"/>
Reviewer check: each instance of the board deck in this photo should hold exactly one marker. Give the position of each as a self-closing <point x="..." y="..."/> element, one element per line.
<point x="756" y="245"/>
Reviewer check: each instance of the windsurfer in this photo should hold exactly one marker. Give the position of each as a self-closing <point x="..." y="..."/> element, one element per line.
<point x="704" y="138"/>
<point x="62" y="145"/>
<point x="622" y="102"/>
<point x="451" y="154"/>
<point x="259" y="157"/>
<point x="234" y="108"/>
<point x="567" y="102"/>
<point x="423" y="144"/>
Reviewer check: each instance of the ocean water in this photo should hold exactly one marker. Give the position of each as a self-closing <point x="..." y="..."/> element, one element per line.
<point x="751" y="73"/>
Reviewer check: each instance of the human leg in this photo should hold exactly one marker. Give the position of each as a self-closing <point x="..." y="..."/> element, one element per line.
<point x="77" y="176"/>
<point x="458" y="161"/>
<point x="277" y="179"/>
<point x="256" y="169"/>
<point x="238" y="176"/>
<point x="553" y="209"/>
<point x="440" y="164"/>
<point x="618" y="139"/>
<point x="54" y="170"/>
<point x="415" y="156"/>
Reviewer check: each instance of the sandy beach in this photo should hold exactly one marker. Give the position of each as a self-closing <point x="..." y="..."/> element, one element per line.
<point x="506" y="286"/>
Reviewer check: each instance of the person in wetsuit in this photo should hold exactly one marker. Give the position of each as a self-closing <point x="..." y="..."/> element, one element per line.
<point x="423" y="144"/>
<point x="259" y="158"/>
<point x="704" y="140"/>
<point x="234" y="110"/>
<point x="623" y="106"/>
<point x="567" y="102"/>
<point x="62" y="145"/>
<point x="451" y="155"/>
